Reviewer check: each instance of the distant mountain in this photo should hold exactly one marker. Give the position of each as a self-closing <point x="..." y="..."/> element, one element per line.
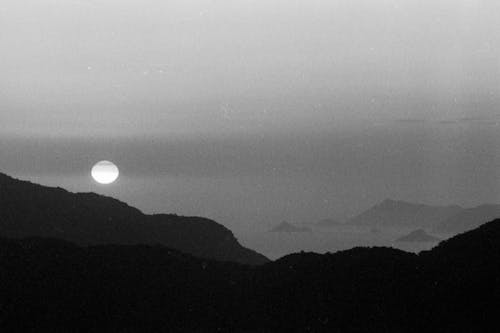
<point x="469" y="219"/>
<point x="28" y="209"/>
<point x="393" y="213"/>
<point x="288" y="227"/>
<point x="329" y="223"/>
<point x="53" y="285"/>
<point x="418" y="236"/>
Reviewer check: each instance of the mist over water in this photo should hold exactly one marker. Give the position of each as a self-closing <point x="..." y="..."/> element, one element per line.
<point x="276" y="245"/>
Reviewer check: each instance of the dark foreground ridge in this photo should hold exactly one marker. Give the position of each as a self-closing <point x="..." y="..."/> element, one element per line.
<point x="48" y="284"/>
<point x="28" y="209"/>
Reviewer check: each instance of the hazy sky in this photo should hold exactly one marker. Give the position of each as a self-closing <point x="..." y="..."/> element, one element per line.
<point x="319" y="106"/>
<point x="117" y="67"/>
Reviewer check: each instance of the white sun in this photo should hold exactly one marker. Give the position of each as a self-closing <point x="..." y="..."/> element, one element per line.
<point x="105" y="172"/>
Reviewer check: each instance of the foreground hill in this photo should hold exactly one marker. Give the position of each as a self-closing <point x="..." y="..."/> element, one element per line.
<point x="394" y="213"/>
<point x="28" y="209"/>
<point x="48" y="284"/>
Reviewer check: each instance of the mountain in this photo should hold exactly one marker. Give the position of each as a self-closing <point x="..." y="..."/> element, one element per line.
<point x="288" y="227"/>
<point x="418" y="236"/>
<point x="461" y="277"/>
<point x="393" y="213"/>
<point x="469" y="219"/>
<point x="57" y="286"/>
<point x="49" y="284"/>
<point x="28" y="209"/>
<point x="329" y="223"/>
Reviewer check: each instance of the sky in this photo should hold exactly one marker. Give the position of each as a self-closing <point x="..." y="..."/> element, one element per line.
<point x="252" y="111"/>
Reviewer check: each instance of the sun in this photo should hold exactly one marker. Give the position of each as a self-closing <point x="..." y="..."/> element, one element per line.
<point x="105" y="172"/>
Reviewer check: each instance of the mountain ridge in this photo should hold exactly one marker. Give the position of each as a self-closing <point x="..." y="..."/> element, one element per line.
<point x="398" y="213"/>
<point x="54" y="284"/>
<point x="469" y="219"/>
<point x="28" y="209"/>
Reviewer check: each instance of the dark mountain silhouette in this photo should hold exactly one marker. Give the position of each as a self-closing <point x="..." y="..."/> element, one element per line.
<point x="288" y="227"/>
<point x="48" y="284"/>
<point x="393" y="213"/>
<point x="329" y="223"/>
<point x="28" y="209"/>
<point x="469" y="219"/>
<point x="418" y="236"/>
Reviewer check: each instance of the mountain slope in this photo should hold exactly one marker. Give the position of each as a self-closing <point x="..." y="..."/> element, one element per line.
<point x="28" y="209"/>
<point x="462" y="280"/>
<point x="469" y="219"/>
<point x="51" y="285"/>
<point x="392" y="213"/>
<point x="55" y="285"/>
